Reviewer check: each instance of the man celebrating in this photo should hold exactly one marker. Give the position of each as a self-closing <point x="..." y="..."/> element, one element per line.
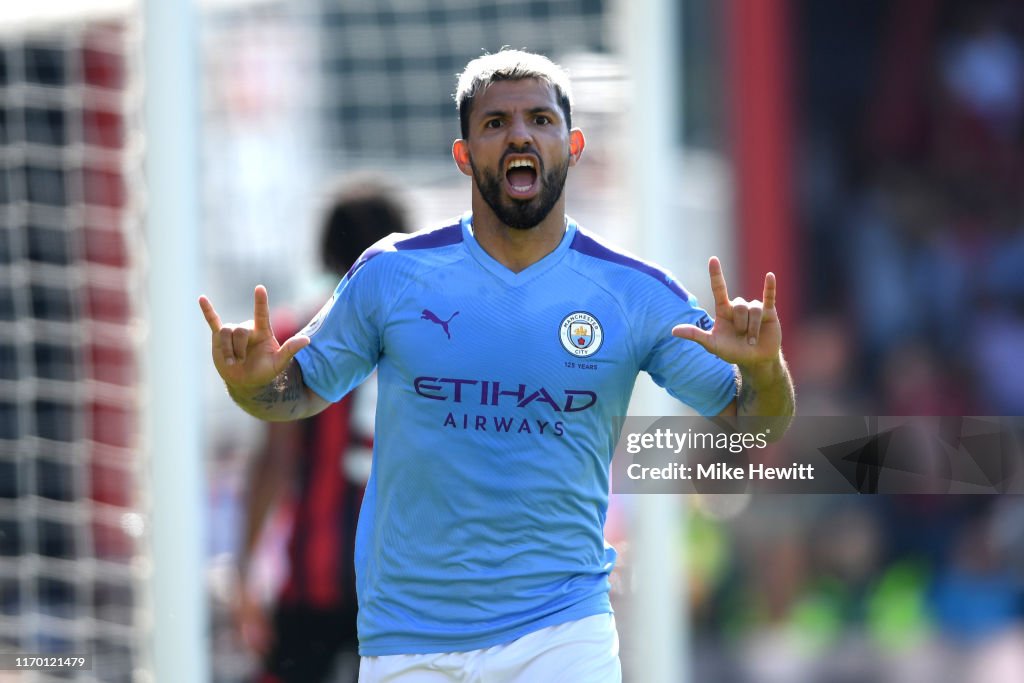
<point x="505" y="344"/>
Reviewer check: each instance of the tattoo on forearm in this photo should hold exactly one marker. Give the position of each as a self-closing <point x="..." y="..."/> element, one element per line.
<point x="747" y="397"/>
<point x="768" y="396"/>
<point x="284" y="389"/>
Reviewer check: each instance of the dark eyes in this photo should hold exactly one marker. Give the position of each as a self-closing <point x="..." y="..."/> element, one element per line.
<point x="538" y="120"/>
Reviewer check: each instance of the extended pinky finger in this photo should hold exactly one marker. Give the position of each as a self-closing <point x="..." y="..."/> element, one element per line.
<point x="769" y="291"/>
<point x="212" y="319"/>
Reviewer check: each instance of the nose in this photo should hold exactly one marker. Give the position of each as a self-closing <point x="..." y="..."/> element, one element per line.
<point x="519" y="134"/>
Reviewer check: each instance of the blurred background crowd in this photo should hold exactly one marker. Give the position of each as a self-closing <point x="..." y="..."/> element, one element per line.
<point x="899" y="186"/>
<point x="910" y="175"/>
<point x="908" y="165"/>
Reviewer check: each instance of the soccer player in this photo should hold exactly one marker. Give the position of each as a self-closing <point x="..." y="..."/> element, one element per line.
<point x="320" y="465"/>
<point x="505" y="344"/>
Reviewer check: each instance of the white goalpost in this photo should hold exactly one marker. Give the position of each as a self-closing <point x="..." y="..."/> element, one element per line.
<point x="173" y="360"/>
<point x="651" y="155"/>
<point x="678" y="205"/>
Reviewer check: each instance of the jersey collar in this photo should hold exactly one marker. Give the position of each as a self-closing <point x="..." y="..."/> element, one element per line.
<point x="502" y="272"/>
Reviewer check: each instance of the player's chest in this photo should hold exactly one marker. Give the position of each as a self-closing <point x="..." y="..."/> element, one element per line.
<point x="543" y="330"/>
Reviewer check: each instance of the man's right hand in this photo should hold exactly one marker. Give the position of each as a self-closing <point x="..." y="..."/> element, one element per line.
<point x="252" y="623"/>
<point x="247" y="355"/>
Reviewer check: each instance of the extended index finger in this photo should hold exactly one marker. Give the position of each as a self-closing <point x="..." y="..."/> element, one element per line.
<point x="769" y="291"/>
<point x="718" y="287"/>
<point x="261" y="308"/>
<point x="212" y="319"/>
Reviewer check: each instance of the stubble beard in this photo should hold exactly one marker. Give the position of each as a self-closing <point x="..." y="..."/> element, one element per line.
<point x="522" y="214"/>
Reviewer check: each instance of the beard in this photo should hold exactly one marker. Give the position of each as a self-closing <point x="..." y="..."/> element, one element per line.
<point x="522" y="214"/>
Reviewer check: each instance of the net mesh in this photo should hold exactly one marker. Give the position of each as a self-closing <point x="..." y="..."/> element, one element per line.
<point x="70" y="468"/>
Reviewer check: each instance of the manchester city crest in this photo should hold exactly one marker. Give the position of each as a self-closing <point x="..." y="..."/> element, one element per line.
<point x="580" y="334"/>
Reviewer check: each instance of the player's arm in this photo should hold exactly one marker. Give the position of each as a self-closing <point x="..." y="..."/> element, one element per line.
<point x="261" y="375"/>
<point x="268" y="475"/>
<point x="765" y="391"/>
<point x="285" y="397"/>
<point x="748" y="334"/>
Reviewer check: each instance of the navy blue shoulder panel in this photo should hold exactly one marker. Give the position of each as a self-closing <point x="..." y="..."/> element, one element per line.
<point x="429" y="239"/>
<point x="586" y="244"/>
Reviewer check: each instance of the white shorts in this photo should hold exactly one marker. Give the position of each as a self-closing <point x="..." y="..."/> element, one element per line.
<point x="582" y="651"/>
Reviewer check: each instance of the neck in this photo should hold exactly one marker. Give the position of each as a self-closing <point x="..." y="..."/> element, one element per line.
<point x="517" y="249"/>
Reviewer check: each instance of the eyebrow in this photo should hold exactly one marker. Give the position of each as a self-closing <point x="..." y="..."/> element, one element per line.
<point x="534" y="110"/>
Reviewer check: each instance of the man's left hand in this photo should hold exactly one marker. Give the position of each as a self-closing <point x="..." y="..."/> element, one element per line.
<point x="746" y="333"/>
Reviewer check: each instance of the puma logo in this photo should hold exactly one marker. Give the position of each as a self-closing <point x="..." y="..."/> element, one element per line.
<point x="432" y="317"/>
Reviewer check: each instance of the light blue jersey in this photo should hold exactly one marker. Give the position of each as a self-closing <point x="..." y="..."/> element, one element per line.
<point x="483" y="516"/>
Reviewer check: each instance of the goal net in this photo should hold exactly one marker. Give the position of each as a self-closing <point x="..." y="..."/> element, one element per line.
<point x="70" y="470"/>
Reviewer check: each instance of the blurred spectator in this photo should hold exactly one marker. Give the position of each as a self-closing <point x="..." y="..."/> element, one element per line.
<point x="981" y="73"/>
<point x="823" y="367"/>
<point x="320" y="466"/>
<point x="983" y="69"/>
<point x="976" y="602"/>
<point x="974" y="596"/>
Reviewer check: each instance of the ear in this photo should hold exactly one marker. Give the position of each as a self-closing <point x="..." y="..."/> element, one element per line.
<point x="576" y="144"/>
<point x="460" y="152"/>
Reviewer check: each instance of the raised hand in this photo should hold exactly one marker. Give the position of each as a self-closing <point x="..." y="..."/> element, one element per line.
<point x="746" y="333"/>
<point x="247" y="355"/>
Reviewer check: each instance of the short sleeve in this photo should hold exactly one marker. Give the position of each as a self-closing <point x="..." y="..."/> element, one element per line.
<point x="345" y="335"/>
<point x="682" y="367"/>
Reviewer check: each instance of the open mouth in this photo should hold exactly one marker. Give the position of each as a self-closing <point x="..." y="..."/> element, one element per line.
<point x="521" y="177"/>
